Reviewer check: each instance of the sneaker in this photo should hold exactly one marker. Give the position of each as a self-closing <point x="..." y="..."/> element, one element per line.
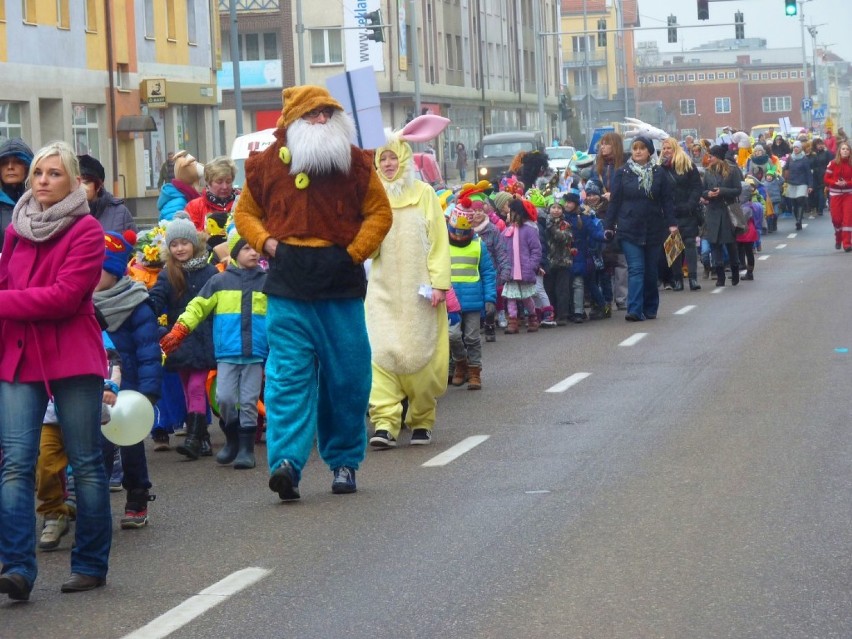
<point x="115" y="486"/>
<point x="421" y="437"/>
<point x="52" y="531"/>
<point x="382" y="439"/>
<point x="549" y="323"/>
<point x="180" y="431"/>
<point x="161" y="441"/>
<point x="344" y="481"/>
<point x="502" y="322"/>
<point x="136" y="509"/>
<point x="285" y="482"/>
<point x="134" y="519"/>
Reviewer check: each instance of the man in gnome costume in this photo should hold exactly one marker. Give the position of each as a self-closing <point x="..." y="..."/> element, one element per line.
<point x="409" y="277"/>
<point x="315" y="205"/>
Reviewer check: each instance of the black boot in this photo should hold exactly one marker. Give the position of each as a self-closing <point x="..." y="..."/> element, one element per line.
<point x="735" y="275"/>
<point x="678" y="285"/>
<point x="693" y="283"/>
<point x="245" y="458"/>
<point x="196" y="430"/>
<point x="232" y="444"/>
<point x="720" y="276"/>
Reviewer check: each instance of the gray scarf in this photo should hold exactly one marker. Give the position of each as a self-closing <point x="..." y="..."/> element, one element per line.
<point x="117" y="303"/>
<point x="37" y="225"/>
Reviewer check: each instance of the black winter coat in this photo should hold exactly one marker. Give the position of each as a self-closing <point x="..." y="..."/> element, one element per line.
<point x="687" y="193"/>
<point x="641" y="218"/>
<point x="196" y="351"/>
<point x="717" y="226"/>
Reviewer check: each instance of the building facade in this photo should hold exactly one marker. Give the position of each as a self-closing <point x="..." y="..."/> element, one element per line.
<point x="126" y="81"/>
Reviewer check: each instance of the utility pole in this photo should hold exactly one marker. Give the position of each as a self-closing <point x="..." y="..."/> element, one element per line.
<point x="586" y="40"/>
<point x="539" y="73"/>
<point x="806" y="115"/>
<point x="235" y="64"/>
<point x="300" y="40"/>
<point x="415" y="55"/>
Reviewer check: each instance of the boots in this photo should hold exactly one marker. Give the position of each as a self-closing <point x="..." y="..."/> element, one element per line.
<point x="720" y="276"/>
<point x="749" y="275"/>
<point x="229" y="450"/>
<point x="532" y="324"/>
<point x="473" y="380"/>
<point x="735" y="275"/>
<point x="490" y="335"/>
<point x="706" y="271"/>
<point x="245" y="456"/>
<point x="460" y="374"/>
<point x="196" y="433"/>
<point x="693" y="283"/>
<point x="678" y="285"/>
<point x="512" y="327"/>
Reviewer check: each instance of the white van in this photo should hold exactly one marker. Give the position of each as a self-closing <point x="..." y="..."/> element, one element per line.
<point x="249" y="143"/>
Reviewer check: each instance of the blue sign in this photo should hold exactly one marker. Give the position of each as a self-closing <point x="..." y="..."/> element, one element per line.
<point x="807" y="104"/>
<point x="819" y="114"/>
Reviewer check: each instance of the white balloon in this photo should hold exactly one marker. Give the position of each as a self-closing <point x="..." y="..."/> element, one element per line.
<point x="131" y="419"/>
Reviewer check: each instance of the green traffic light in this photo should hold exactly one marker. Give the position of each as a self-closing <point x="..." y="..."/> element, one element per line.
<point x="790" y="7"/>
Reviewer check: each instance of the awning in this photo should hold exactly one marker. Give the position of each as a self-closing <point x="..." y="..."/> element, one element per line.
<point x="131" y="123"/>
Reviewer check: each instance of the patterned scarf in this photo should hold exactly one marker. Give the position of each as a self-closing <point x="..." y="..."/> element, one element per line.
<point x="223" y="203"/>
<point x="645" y="173"/>
<point x="37" y="225"/>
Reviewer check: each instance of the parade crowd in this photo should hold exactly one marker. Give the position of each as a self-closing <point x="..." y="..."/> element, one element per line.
<point x="333" y="285"/>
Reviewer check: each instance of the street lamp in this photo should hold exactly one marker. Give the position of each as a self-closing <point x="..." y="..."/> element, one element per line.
<point x="806" y="115"/>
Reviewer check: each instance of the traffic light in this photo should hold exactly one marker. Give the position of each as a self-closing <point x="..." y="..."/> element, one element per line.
<point x="373" y="21"/>
<point x="601" y="32"/>
<point x="790" y="7"/>
<point x="739" y="27"/>
<point x="703" y="10"/>
<point x="672" y="28"/>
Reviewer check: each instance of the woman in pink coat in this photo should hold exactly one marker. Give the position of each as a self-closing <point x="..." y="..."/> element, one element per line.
<point x="51" y="347"/>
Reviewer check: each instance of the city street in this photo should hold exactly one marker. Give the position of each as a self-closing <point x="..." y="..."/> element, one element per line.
<point x="686" y="477"/>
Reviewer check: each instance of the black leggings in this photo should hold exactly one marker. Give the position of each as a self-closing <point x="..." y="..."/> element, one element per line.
<point x="746" y="253"/>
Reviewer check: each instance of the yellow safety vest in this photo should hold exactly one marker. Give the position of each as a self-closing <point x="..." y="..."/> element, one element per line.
<point x="464" y="261"/>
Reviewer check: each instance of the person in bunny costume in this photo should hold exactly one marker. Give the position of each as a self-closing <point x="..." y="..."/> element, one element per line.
<point x="406" y="311"/>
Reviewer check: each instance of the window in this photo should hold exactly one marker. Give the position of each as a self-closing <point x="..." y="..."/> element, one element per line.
<point x="252" y="43"/>
<point x="582" y="43"/>
<point x="755" y="76"/>
<point x="84" y="128"/>
<point x="681" y="77"/>
<point x="671" y="77"/>
<point x="690" y="77"/>
<point x="191" y="27"/>
<point x="10" y="121"/>
<point x="774" y="75"/>
<point x="777" y="104"/>
<point x="28" y="9"/>
<point x="723" y="105"/>
<point x="63" y="17"/>
<point x="687" y="107"/>
<point x="711" y="76"/>
<point x="2" y="12"/>
<point x="794" y="74"/>
<point x="270" y="46"/>
<point x="122" y="77"/>
<point x="90" y="16"/>
<point x="764" y="76"/>
<point x="784" y="75"/>
<point x="580" y="77"/>
<point x="326" y="46"/>
<point x="170" y="21"/>
<point x="650" y="79"/>
<point x="641" y="79"/>
<point x="448" y="51"/>
<point x="661" y="78"/>
<point x="732" y="75"/>
<point x="701" y="77"/>
<point x="149" y="20"/>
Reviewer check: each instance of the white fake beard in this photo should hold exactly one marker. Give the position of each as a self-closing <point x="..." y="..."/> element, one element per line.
<point x="404" y="180"/>
<point x="319" y="149"/>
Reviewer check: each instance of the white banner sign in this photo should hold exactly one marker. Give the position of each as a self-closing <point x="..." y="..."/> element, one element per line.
<point x="361" y="52"/>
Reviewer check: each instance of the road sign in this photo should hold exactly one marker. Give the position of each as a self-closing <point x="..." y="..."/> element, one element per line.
<point x="807" y="104"/>
<point x="818" y="114"/>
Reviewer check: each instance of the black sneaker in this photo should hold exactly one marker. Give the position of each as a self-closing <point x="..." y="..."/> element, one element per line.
<point x="421" y="437"/>
<point x="344" y="481"/>
<point x="284" y="482"/>
<point x="382" y="439"/>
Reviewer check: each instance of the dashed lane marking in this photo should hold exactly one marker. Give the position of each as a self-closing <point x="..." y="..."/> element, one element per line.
<point x="456" y="451"/>
<point x="685" y="310"/>
<point x="792" y="236"/>
<point x="763" y="258"/>
<point x="194" y="607"/>
<point x="633" y="339"/>
<point x="717" y="290"/>
<point x="567" y="383"/>
<point x="781" y="246"/>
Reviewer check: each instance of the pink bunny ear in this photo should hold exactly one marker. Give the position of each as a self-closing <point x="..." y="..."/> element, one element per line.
<point x="424" y="128"/>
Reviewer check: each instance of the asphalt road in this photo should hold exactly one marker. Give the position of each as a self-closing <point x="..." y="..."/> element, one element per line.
<point x="695" y="484"/>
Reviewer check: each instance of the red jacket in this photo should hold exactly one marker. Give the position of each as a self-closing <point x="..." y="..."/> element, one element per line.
<point x="836" y="170"/>
<point x="47" y="319"/>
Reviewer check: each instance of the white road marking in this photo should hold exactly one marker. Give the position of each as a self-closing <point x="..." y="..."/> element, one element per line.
<point x="567" y="383"/>
<point x="805" y="225"/>
<point x="685" y="310"/>
<point x="536" y="492"/>
<point x="456" y="451"/>
<point x="791" y="236"/>
<point x="764" y="257"/>
<point x="780" y="246"/>
<point x="633" y="339"/>
<point x="717" y="290"/>
<point x="194" y="607"/>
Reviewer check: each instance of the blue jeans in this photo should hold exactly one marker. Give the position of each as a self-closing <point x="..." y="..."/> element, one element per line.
<point x="643" y="297"/>
<point x="78" y="406"/>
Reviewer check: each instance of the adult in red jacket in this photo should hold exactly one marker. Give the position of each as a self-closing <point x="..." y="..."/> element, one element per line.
<point x="838" y="179"/>
<point x="51" y="347"/>
<point x="210" y="212"/>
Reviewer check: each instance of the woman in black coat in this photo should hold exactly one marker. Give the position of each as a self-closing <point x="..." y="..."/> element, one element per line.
<point x="722" y="186"/>
<point x="687" y="186"/>
<point x="641" y="208"/>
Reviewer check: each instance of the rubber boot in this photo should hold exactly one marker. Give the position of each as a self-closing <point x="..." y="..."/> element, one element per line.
<point x="512" y="327"/>
<point x="196" y="429"/>
<point x="720" y="276"/>
<point x="245" y="457"/>
<point x="460" y="373"/>
<point x="474" y="382"/>
<point x="229" y="450"/>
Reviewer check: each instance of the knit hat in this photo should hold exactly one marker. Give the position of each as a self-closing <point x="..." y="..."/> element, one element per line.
<point x="459" y="224"/>
<point x="187" y="168"/>
<point x="718" y="151"/>
<point x="181" y="228"/>
<point x="592" y="188"/>
<point x="646" y="142"/>
<point x="235" y="243"/>
<point x="797" y="144"/>
<point x="501" y="198"/>
<point x="90" y="167"/>
<point x="572" y="196"/>
<point x="117" y="251"/>
<point x="297" y="101"/>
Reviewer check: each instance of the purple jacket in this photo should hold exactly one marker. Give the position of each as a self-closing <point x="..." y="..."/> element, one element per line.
<point x="530" y="250"/>
<point x="47" y="318"/>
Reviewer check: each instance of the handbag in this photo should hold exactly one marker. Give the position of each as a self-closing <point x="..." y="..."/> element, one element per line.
<point x="738" y="218"/>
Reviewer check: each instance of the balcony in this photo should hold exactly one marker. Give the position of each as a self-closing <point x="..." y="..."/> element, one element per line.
<point x="250" y="5"/>
<point x="577" y="59"/>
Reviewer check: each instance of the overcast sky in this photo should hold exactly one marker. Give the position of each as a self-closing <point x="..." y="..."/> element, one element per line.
<point x="763" y="19"/>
